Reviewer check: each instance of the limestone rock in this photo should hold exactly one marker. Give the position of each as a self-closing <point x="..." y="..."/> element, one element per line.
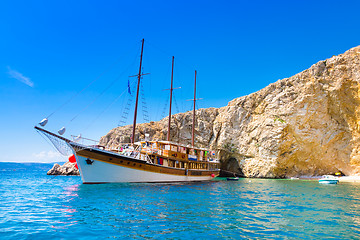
<point x="67" y="168"/>
<point x="308" y="124"/>
<point x="180" y="129"/>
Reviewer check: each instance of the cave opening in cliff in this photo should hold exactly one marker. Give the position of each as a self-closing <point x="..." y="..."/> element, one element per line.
<point x="231" y="168"/>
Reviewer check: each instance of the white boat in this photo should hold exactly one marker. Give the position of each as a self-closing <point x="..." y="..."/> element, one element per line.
<point x="144" y="161"/>
<point x="232" y="179"/>
<point x="294" y="178"/>
<point x="329" y="179"/>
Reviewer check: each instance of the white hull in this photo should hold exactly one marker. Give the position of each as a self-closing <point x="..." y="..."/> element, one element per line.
<point x="328" y="181"/>
<point x="102" y="172"/>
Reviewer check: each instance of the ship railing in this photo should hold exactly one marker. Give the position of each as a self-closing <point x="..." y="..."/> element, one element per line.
<point x="135" y="153"/>
<point x="130" y="153"/>
<point x="86" y="141"/>
<point x="148" y="159"/>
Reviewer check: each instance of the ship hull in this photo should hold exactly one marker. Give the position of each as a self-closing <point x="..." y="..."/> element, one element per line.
<point x="97" y="166"/>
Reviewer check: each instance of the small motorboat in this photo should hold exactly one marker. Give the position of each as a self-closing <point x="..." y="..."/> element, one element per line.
<point x="232" y="179"/>
<point x="329" y="179"/>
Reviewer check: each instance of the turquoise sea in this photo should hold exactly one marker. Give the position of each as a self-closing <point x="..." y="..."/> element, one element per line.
<point x="36" y="206"/>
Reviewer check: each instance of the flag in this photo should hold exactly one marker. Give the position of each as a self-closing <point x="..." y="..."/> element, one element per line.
<point x="129" y="87"/>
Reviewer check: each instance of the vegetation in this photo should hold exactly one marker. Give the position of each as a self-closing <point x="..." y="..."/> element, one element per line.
<point x="277" y="118"/>
<point x="230" y="147"/>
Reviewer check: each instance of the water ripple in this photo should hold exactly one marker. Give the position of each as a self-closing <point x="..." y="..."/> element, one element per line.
<point x="31" y="208"/>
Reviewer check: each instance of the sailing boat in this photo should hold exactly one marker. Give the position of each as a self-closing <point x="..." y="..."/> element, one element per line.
<point x="143" y="161"/>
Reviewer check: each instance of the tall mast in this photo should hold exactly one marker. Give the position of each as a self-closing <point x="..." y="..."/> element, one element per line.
<point x="137" y="93"/>
<point x="193" y="127"/>
<point x="171" y="90"/>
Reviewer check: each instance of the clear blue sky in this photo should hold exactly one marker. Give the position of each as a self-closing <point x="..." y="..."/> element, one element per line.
<point x="50" y="50"/>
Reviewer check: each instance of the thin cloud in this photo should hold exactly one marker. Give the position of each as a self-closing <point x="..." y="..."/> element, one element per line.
<point x="49" y="156"/>
<point x="15" y="74"/>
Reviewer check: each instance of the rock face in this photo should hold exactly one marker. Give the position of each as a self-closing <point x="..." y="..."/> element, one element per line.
<point x="67" y="169"/>
<point x="180" y="129"/>
<point x="307" y="124"/>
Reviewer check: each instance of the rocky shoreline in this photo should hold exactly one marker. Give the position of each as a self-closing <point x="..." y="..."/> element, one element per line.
<point x="67" y="168"/>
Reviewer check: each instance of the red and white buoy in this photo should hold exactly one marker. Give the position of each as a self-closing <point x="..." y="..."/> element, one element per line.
<point x="72" y="159"/>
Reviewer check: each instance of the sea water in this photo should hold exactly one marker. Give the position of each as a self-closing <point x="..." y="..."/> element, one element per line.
<point x="36" y="206"/>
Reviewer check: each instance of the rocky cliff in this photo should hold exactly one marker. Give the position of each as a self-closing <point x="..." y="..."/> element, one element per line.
<point x="307" y="124"/>
<point x="67" y="168"/>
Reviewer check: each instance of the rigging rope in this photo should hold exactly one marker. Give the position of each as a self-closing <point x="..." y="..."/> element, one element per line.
<point x="165" y="108"/>
<point x="93" y="81"/>
<point x="145" y="112"/>
<point x="126" y="108"/>
<point x="176" y="105"/>
<point x="60" y="145"/>
<point x="112" y="83"/>
<point x="47" y="140"/>
<point x="105" y="109"/>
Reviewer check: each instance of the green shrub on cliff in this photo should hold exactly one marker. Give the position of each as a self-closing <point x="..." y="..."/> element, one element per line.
<point x="230" y="147"/>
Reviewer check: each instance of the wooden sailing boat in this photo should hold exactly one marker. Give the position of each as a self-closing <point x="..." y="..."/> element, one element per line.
<point x="144" y="161"/>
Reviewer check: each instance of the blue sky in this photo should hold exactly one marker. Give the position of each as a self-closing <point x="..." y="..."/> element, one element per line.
<point x="52" y="50"/>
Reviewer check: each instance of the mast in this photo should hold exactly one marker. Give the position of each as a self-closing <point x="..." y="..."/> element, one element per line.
<point x="193" y="127"/>
<point x="137" y="93"/>
<point x="171" y="90"/>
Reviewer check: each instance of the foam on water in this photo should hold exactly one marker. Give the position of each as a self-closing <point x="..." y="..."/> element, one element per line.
<point x="32" y="208"/>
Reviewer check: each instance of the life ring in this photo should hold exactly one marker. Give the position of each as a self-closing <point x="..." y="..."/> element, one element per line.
<point x="183" y="156"/>
<point x="175" y="155"/>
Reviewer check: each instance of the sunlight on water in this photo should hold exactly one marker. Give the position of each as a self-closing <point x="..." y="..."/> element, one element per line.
<point x="32" y="208"/>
